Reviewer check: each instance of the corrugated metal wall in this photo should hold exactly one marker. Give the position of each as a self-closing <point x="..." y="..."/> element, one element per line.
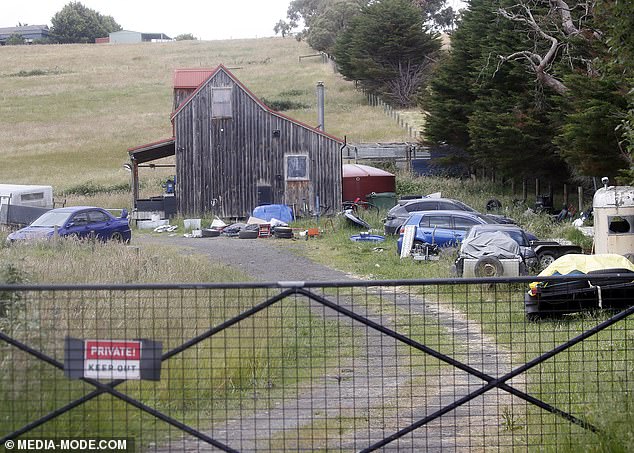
<point x="221" y="162"/>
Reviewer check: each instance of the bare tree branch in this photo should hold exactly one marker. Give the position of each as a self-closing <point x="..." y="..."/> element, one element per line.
<point x="564" y="28"/>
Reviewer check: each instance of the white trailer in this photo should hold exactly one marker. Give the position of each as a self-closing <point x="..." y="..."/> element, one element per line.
<point x="21" y="204"/>
<point x="26" y="195"/>
<point x="613" y="209"/>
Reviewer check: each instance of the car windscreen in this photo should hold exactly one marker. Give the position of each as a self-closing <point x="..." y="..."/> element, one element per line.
<point x="463" y="206"/>
<point x="518" y="237"/>
<point x="488" y="219"/>
<point x="51" y="219"/>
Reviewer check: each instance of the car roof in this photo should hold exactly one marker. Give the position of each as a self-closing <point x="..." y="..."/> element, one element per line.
<point x="416" y="200"/>
<point x="73" y="208"/>
<point x="497" y="226"/>
<point x="448" y="212"/>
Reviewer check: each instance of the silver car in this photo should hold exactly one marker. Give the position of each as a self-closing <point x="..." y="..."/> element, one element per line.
<point x="397" y="215"/>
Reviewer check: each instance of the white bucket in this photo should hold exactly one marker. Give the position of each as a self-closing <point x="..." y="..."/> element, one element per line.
<point x="192" y="224"/>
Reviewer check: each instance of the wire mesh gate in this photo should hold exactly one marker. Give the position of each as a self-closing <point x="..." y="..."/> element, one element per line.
<point x="403" y="365"/>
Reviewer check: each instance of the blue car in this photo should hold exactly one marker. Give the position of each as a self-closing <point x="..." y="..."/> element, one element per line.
<point x="77" y="221"/>
<point x="442" y="228"/>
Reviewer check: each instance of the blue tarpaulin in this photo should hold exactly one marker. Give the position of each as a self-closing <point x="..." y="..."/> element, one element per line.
<point x="274" y="211"/>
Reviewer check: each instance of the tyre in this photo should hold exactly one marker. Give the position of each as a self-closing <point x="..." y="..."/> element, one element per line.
<point x="546" y="259"/>
<point x="283" y="232"/>
<point x="418" y="245"/>
<point x="248" y="234"/>
<point x="116" y="236"/>
<point x="626" y="276"/>
<point x="493" y="204"/>
<point x="488" y="266"/>
<point x="210" y="233"/>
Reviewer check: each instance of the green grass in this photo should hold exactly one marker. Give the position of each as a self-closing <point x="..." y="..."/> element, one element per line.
<point x="573" y="381"/>
<point x="71" y="112"/>
<point x="265" y="353"/>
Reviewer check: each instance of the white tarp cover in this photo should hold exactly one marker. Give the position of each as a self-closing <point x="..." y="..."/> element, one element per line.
<point x="494" y="243"/>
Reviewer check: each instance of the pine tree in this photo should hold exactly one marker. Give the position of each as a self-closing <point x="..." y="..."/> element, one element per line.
<point x="387" y="49"/>
<point x="492" y="110"/>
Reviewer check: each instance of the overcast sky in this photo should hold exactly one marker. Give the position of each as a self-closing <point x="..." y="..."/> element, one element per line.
<point x="205" y="19"/>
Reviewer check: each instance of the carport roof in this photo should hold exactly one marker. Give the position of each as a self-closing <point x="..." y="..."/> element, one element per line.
<point x="153" y="151"/>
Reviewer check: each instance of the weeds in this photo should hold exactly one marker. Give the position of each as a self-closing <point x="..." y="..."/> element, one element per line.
<point x="90" y="188"/>
<point x="281" y="105"/>
<point x="35" y="73"/>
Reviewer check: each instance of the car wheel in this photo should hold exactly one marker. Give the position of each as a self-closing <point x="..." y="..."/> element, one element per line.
<point x="116" y="236"/>
<point x="488" y="266"/>
<point x="493" y="204"/>
<point x="546" y="259"/>
<point x="418" y="245"/>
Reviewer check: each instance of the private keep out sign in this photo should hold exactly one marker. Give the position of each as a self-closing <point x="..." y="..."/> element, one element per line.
<point x="112" y="359"/>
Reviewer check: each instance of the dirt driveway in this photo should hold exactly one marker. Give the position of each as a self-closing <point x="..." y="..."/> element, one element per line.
<point x="366" y="378"/>
<point x="267" y="260"/>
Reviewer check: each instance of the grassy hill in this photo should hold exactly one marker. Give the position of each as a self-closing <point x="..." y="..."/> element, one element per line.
<point x="70" y="112"/>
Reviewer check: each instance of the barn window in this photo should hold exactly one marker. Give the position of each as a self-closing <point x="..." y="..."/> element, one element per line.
<point x="296" y="167"/>
<point x="221" y="102"/>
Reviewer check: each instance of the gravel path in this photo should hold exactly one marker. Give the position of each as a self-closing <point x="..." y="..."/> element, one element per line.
<point x="356" y="385"/>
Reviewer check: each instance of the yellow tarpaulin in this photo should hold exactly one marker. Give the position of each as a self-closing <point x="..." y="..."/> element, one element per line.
<point x="577" y="263"/>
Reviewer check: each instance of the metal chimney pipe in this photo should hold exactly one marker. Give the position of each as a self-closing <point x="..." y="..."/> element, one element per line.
<point x="320" y="105"/>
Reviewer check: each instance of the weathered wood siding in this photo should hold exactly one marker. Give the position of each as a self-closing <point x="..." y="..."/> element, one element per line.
<point x="221" y="162"/>
<point x="180" y="94"/>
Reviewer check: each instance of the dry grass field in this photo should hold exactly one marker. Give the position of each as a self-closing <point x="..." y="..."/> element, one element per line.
<point x="70" y="112"/>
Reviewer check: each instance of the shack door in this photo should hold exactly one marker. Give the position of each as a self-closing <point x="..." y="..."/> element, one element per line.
<point x="265" y="194"/>
<point x="298" y="186"/>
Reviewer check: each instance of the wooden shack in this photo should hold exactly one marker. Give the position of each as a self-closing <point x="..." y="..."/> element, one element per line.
<point x="234" y="153"/>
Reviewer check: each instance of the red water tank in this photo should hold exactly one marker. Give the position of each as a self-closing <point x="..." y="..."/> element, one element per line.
<point x="361" y="180"/>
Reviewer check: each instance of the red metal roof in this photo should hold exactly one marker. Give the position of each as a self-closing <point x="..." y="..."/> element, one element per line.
<point x="191" y="78"/>
<point x="358" y="170"/>
<point x="255" y="98"/>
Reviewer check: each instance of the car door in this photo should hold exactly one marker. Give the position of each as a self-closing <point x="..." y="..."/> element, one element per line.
<point x="77" y="225"/>
<point x="436" y="229"/>
<point x="99" y="224"/>
<point x="462" y="224"/>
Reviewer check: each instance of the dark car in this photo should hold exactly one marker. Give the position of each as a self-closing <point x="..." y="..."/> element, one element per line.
<point x="77" y="221"/>
<point x="441" y="228"/>
<point x="397" y="215"/>
<point x="523" y="239"/>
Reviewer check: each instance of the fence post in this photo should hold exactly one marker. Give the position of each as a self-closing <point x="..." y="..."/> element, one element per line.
<point x="524" y="189"/>
<point x="550" y="193"/>
<point x="580" y="196"/>
<point x="537" y="188"/>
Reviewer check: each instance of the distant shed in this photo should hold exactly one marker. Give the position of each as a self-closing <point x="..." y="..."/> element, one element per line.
<point x="361" y="180"/>
<point x="131" y="37"/>
<point x="29" y="33"/>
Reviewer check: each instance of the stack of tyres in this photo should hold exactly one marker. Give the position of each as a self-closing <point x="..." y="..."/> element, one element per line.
<point x="283" y="232"/>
